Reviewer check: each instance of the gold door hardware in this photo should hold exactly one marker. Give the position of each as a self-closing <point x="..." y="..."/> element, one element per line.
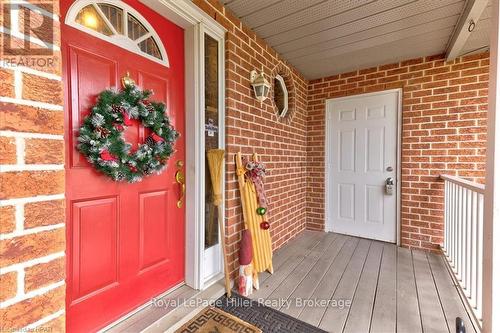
<point x="181" y="180"/>
<point x="127" y="80"/>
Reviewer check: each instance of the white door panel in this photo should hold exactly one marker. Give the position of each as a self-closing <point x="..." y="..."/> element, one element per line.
<point x="361" y="149"/>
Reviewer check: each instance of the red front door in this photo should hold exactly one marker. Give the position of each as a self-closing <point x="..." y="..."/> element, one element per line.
<point x="125" y="242"/>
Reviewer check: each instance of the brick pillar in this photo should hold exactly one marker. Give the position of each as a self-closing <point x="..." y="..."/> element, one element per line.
<point x="32" y="232"/>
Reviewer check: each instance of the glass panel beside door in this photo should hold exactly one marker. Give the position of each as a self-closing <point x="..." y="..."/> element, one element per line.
<point x="212" y="118"/>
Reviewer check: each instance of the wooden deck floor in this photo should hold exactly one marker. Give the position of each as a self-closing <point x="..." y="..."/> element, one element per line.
<point x="390" y="289"/>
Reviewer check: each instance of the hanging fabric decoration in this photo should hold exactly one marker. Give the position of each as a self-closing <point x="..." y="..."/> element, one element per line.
<point x="101" y="139"/>
<point x="256" y="172"/>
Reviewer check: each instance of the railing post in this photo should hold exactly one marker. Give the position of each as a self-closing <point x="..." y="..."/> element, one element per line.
<point x="468" y="242"/>
<point x="474" y="252"/>
<point x="480" y="233"/>
<point x="454" y="226"/>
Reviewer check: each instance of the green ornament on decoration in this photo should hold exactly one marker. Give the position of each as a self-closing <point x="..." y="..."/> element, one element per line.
<point x="101" y="140"/>
<point x="261" y="211"/>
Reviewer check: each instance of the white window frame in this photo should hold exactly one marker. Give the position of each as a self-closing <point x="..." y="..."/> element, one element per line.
<point x="215" y="250"/>
<point x="120" y="40"/>
<point x="281" y="80"/>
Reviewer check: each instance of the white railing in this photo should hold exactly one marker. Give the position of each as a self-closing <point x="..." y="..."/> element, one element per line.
<point x="463" y="237"/>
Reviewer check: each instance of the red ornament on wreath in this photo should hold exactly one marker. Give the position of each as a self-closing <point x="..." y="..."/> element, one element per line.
<point x="126" y="119"/>
<point x="107" y="156"/>
<point x="119" y="127"/>
<point x="157" y="138"/>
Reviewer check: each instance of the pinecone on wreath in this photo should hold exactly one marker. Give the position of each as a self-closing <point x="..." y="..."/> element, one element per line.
<point x="117" y="108"/>
<point x="147" y="104"/>
<point x="150" y="141"/>
<point x="102" y="132"/>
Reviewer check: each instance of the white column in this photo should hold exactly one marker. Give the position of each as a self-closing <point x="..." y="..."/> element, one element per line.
<point x="491" y="268"/>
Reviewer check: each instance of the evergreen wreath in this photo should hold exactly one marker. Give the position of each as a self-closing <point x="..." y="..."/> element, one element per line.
<point x="101" y="135"/>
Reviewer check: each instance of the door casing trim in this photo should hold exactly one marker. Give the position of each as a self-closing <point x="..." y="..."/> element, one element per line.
<point x="399" y="117"/>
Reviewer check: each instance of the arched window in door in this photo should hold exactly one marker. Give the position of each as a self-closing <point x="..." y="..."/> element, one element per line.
<point x="120" y="24"/>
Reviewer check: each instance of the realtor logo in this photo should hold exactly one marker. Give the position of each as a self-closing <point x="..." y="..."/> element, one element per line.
<point x="28" y="28"/>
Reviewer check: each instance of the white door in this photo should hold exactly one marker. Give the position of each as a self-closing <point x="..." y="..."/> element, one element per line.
<point x="361" y="152"/>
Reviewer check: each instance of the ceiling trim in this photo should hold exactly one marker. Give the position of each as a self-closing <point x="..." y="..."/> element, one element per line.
<point x="468" y="21"/>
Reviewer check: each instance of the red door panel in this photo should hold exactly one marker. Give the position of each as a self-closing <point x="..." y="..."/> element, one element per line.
<point x="84" y="88"/>
<point x="154" y="229"/>
<point x="125" y="242"/>
<point x="96" y="250"/>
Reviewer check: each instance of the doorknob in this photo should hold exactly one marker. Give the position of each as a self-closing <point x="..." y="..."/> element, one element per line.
<point x="389" y="186"/>
<point x="180" y="179"/>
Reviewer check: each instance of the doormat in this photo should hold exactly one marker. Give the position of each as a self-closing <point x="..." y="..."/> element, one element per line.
<point x="213" y="320"/>
<point x="267" y="319"/>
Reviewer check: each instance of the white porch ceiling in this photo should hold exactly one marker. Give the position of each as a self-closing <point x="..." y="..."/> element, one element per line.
<point x="326" y="37"/>
<point x="480" y="38"/>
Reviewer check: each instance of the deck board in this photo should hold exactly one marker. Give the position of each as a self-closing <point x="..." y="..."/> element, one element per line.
<point x="305" y="241"/>
<point x="391" y="289"/>
<point x="306" y="288"/>
<point x="450" y="299"/>
<point x="335" y="316"/>
<point x="384" y="309"/>
<point x="288" y="286"/>
<point x="433" y="319"/>
<point x="407" y="307"/>
<point x="360" y="312"/>
<point x="327" y="286"/>
<point x="275" y="280"/>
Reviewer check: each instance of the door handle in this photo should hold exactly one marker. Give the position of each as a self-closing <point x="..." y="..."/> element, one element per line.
<point x="389" y="186"/>
<point x="181" y="180"/>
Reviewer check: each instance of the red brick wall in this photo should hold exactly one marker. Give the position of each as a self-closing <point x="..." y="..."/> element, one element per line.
<point x="444" y="131"/>
<point x="32" y="261"/>
<point x="252" y="127"/>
